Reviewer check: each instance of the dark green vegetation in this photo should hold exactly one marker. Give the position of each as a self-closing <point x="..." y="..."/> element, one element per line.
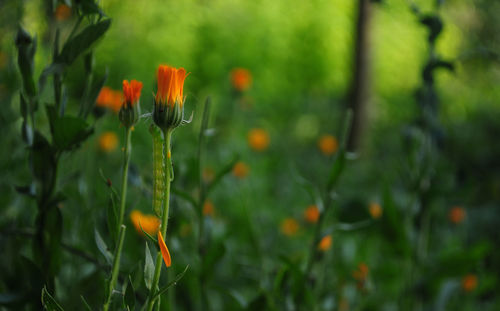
<point x="421" y="79"/>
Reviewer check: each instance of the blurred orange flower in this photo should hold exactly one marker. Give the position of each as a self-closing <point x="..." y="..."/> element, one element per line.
<point x="469" y="282"/>
<point x="456" y="214"/>
<point x="108" y="141"/>
<point x="325" y="243"/>
<point x="241" y="79"/>
<point x="311" y="214"/>
<point x="149" y="223"/>
<point x="208" y="208"/>
<point x="375" y="210"/>
<point x="109" y="98"/>
<point x="258" y="139"/>
<point x="164" y="250"/>
<point x="289" y="226"/>
<point x="240" y="170"/>
<point x="328" y="144"/>
<point x="361" y="273"/>
<point x="62" y="13"/>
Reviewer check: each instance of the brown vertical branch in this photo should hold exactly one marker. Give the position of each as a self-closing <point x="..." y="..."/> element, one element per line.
<point x="360" y="86"/>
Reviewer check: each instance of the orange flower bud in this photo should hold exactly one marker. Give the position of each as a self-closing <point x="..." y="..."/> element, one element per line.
<point x="375" y="210"/>
<point x="240" y="170"/>
<point x="108" y="141"/>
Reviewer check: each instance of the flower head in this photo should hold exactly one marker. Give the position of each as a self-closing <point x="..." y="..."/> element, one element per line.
<point x="129" y="112"/>
<point x="169" y="100"/>
<point x="375" y="210"/>
<point x="289" y="226"/>
<point x="164" y="250"/>
<point x="241" y="79"/>
<point x="469" y="282"/>
<point x="62" y="13"/>
<point x="240" y="170"/>
<point x="208" y="208"/>
<point x="258" y="139"/>
<point x="109" y="98"/>
<point x="132" y="92"/>
<point x="456" y="214"/>
<point x="149" y="223"/>
<point x="325" y="243"/>
<point x="361" y="273"/>
<point x="311" y="214"/>
<point x="108" y="141"/>
<point x="328" y="144"/>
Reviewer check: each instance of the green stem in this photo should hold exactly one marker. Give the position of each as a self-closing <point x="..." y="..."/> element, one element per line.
<point x="123" y="199"/>
<point x="120" y="228"/>
<point x="116" y="267"/>
<point x="164" y="220"/>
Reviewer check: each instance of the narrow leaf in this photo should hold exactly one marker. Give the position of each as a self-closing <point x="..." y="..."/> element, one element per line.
<point x="172" y="283"/>
<point x="49" y="303"/>
<point x="149" y="268"/>
<point x="103" y="248"/>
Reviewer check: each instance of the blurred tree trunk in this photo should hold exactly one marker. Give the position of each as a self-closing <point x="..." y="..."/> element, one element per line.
<point x="359" y="93"/>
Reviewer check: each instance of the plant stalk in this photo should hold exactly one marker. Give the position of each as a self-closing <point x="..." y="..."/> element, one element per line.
<point x="164" y="220"/>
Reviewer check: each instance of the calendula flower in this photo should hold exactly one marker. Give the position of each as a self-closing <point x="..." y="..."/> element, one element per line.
<point x="129" y="112"/>
<point x="469" y="282"/>
<point x="289" y="226"/>
<point x="375" y="210"/>
<point x="149" y="223"/>
<point x="328" y="144"/>
<point x="62" y="13"/>
<point x="311" y="214"/>
<point x="240" y="170"/>
<point x="169" y="100"/>
<point x="164" y="250"/>
<point x="241" y="79"/>
<point x="456" y="214"/>
<point x="208" y="208"/>
<point x="109" y="98"/>
<point x="258" y="139"/>
<point x="108" y="141"/>
<point x="325" y="243"/>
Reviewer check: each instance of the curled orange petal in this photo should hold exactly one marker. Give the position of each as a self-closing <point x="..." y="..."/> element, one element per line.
<point x="164" y="250"/>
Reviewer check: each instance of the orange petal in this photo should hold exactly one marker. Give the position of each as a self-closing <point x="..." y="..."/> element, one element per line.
<point x="164" y="250"/>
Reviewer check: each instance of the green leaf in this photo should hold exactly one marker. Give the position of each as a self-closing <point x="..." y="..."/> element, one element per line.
<point x="26" y="46"/>
<point x="83" y="42"/>
<point x="103" y="248"/>
<point x="85" y="303"/>
<point x="129" y="297"/>
<point x="172" y="283"/>
<point x="337" y="168"/>
<point x="149" y="268"/>
<point x="95" y="88"/>
<point x="43" y="160"/>
<point x="88" y="7"/>
<point x="69" y="131"/>
<point x="49" y="303"/>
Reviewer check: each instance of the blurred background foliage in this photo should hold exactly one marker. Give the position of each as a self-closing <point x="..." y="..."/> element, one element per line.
<point x="299" y="58"/>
